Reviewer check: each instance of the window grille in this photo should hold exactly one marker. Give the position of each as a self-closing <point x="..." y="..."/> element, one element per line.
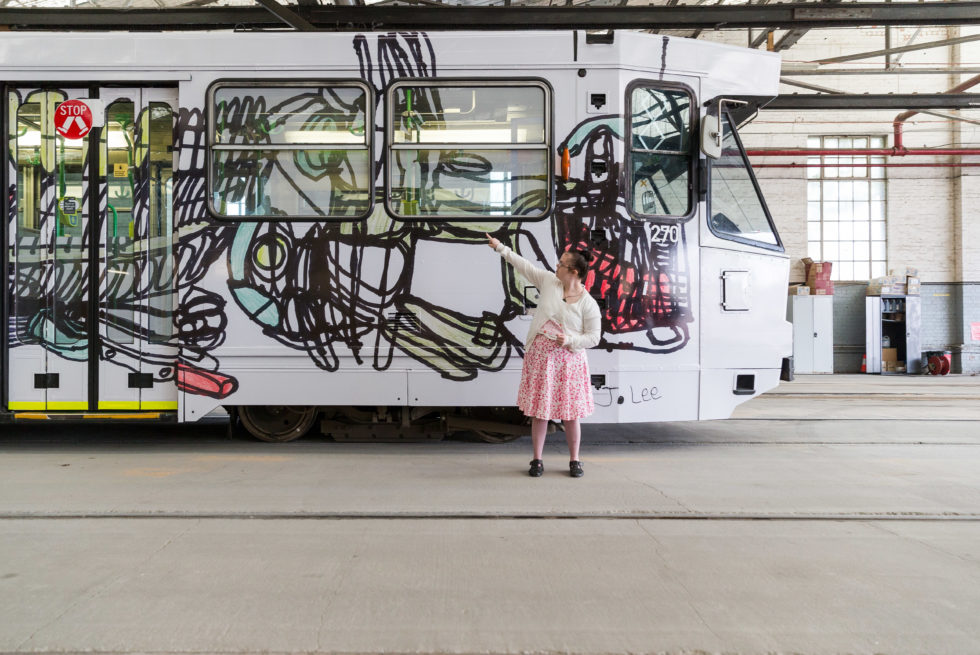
<point x="846" y="207"/>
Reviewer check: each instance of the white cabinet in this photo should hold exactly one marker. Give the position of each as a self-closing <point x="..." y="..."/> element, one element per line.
<point x="813" y="333"/>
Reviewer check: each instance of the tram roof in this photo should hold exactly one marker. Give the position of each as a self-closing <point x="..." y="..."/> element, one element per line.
<point x="26" y="54"/>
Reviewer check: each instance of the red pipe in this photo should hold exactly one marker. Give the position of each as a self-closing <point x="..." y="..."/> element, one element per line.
<point x="887" y="152"/>
<point x="901" y="118"/>
<point x="923" y="165"/>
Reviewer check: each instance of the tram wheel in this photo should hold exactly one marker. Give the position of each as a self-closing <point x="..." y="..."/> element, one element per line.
<point x="277" y="423"/>
<point x="496" y="437"/>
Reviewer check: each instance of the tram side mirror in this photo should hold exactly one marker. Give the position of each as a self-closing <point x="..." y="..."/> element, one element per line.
<point x="712" y="127"/>
<point x="711" y="135"/>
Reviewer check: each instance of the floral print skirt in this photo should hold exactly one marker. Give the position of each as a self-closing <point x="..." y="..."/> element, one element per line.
<point x="555" y="381"/>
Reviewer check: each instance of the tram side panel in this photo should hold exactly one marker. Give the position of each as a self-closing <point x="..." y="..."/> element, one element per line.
<point x="646" y="272"/>
<point x="422" y="314"/>
<point x="744" y="272"/>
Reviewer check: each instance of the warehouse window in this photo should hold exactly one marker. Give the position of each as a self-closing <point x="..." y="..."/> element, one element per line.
<point x="469" y="149"/>
<point x="846" y="207"/>
<point x="295" y="150"/>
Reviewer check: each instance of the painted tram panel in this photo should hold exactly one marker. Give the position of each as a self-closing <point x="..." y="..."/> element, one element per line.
<point x="264" y="220"/>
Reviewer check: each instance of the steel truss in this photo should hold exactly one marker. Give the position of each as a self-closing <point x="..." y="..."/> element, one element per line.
<point x="356" y="18"/>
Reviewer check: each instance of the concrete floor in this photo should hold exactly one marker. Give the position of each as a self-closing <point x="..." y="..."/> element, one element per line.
<point x="838" y="514"/>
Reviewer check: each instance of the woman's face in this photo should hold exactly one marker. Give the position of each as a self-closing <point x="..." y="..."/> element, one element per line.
<point x="564" y="270"/>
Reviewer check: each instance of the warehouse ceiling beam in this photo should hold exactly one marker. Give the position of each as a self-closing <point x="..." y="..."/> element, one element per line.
<point x="761" y="37"/>
<point x="919" y="101"/>
<point x="789" y="39"/>
<point x="810" y="87"/>
<point x="357" y="18"/>
<point x="905" y="48"/>
<point x="288" y="16"/>
<point x="955" y="70"/>
<point x="824" y="89"/>
<point x="911" y="40"/>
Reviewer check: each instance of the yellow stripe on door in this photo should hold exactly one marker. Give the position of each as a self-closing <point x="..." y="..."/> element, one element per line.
<point x="26" y="404"/>
<point x="119" y="404"/>
<point x="158" y="404"/>
<point x="65" y="404"/>
<point x="135" y="404"/>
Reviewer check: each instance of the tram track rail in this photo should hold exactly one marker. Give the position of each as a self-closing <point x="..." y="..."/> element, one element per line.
<point x="500" y="516"/>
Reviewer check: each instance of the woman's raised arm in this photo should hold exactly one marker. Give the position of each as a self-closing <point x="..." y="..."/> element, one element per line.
<point x="533" y="273"/>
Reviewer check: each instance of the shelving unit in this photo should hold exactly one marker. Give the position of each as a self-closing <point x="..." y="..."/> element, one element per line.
<point x="893" y="322"/>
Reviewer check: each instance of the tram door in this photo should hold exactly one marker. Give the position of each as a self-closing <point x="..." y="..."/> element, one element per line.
<point x="136" y="268"/>
<point x="90" y="298"/>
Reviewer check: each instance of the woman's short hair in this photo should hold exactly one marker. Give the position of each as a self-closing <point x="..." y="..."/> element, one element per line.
<point x="579" y="261"/>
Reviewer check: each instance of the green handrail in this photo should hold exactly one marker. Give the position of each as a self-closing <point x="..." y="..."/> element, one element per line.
<point x="115" y="220"/>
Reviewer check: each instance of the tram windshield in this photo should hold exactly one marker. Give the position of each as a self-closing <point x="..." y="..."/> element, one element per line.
<point x="737" y="210"/>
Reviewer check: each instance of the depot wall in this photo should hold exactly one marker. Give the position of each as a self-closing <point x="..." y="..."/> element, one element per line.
<point x="932" y="212"/>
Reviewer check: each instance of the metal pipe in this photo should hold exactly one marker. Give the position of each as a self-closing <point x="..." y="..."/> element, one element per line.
<point x="887" y="165"/>
<point x="848" y="152"/>
<point x="905" y="115"/>
<point x="962" y="70"/>
<point x="906" y="48"/>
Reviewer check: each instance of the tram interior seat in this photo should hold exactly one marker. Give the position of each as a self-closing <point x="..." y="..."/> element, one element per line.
<point x="722" y="223"/>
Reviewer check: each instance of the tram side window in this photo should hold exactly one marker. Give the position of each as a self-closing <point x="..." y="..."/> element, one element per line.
<point x="736" y="208"/>
<point x="469" y="150"/>
<point x="660" y="151"/>
<point x="297" y="150"/>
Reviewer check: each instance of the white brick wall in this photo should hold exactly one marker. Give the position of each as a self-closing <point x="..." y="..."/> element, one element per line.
<point x="933" y="214"/>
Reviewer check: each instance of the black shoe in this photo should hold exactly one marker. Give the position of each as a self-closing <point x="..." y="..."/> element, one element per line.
<point x="575" y="469"/>
<point x="537" y="468"/>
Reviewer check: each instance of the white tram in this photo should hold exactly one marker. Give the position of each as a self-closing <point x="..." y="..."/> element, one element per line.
<point x="291" y="226"/>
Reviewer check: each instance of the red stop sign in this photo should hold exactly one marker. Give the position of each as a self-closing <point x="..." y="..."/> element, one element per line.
<point x="73" y="119"/>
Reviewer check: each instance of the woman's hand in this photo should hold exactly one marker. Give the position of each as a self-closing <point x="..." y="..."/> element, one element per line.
<point x="493" y="242"/>
<point x="560" y="339"/>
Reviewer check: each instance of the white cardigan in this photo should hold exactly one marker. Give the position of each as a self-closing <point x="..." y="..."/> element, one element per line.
<point x="581" y="321"/>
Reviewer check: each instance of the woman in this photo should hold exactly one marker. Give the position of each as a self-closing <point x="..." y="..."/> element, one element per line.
<point x="555" y="381"/>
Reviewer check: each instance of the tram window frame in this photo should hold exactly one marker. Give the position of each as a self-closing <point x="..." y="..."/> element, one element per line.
<point x="692" y="152"/>
<point x="775" y="247"/>
<point x="370" y="108"/>
<point x="492" y="82"/>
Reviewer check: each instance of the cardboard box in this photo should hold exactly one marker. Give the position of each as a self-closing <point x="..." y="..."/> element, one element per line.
<point x="912" y="285"/>
<point x="885" y="289"/>
<point x="816" y="271"/>
<point x="908" y="271"/>
<point x="889" y="355"/>
<point x="799" y="290"/>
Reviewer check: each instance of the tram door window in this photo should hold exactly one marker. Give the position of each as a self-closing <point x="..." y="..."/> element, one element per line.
<point x="49" y="300"/>
<point x="660" y="151"/>
<point x="136" y="300"/>
<point x="69" y="350"/>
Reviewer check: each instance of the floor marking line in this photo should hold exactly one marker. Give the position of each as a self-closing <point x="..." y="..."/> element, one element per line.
<point x="368" y="516"/>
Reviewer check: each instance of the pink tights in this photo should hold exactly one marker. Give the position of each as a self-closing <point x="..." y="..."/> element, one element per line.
<point x="573" y="435"/>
